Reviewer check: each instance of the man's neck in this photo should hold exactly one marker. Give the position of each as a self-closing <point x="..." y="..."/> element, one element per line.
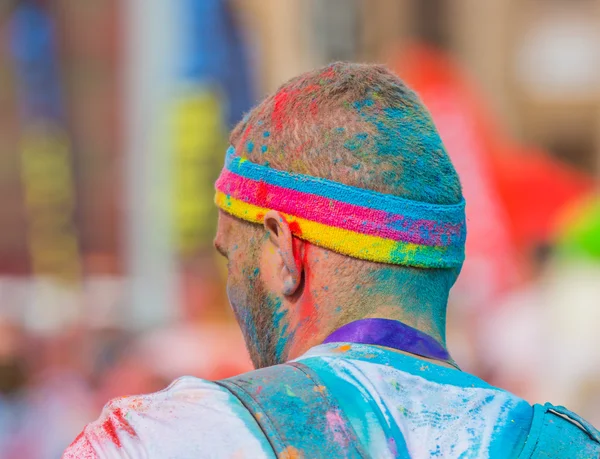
<point x="315" y="330"/>
<point x="414" y="297"/>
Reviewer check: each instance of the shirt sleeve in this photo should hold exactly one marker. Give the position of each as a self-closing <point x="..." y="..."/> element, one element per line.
<point x="192" y="418"/>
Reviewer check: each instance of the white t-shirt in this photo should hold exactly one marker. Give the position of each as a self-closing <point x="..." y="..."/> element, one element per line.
<point x="398" y="406"/>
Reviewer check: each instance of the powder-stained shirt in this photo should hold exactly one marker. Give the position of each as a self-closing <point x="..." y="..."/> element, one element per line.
<point x="398" y="405"/>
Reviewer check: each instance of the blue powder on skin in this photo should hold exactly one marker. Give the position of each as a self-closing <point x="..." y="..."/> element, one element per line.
<point x="280" y="327"/>
<point x="266" y="134"/>
<point x="250" y="147"/>
<point x="264" y="148"/>
<point x="424" y="292"/>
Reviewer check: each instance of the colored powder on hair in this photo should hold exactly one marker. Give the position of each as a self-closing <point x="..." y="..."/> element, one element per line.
<point x="407" y="135"/>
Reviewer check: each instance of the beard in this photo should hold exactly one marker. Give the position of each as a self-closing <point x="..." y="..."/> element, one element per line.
<point x="263" y="323"/>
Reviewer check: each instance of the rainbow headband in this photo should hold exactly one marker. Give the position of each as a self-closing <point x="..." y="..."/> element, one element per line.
<point x="355" y="222"/>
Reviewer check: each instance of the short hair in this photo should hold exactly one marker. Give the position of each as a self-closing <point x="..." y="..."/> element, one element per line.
<point x="356" y="124"/>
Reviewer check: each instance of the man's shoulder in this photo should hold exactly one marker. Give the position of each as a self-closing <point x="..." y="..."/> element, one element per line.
<point x="560" y="433"/>
<point x="190" y="418"/>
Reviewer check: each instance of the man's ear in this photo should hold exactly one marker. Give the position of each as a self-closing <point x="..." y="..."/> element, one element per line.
<point x="289" y="251"/>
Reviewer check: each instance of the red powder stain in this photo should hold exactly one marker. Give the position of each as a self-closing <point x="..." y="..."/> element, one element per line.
<point x="262" y="192"/>
<point x="328" y="73"/>
<point x="295" y="228"/>
<point x="111" y="431"/>
<point x="259" y="390"/>
<point x="116" y="421"/>
<point x="79" y="438"/>
<point x="307" y="305"/>
<point x="81" y="448"/>
<point x="312" y="88"/>
<point x="278" y="115"/>
<point x="260" y="216"/>
<point x="245" y="135"/>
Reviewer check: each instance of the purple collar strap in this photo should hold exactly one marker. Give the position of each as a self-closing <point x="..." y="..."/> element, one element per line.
<point x="392" y="334"/>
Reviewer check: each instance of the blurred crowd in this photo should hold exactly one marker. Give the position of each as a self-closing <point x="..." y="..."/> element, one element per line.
<point x="51" y="386"/>
<point x="113" y="124"/>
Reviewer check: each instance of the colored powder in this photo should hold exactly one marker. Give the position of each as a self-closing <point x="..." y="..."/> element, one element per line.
<point x="116" y="421"/>
<point x="291" y="453"/>
<point x="250" y="147"/>
<point x="359" y="141"/>
<point x="307" y="305"/>
<point x="295" y="228"/>
<point x="264" y="148"/>
<point x="278" y="115"/>
<point x="343" y="348"/>
<point x="335" y="424"/>
<point x="289" y="391"/>
<point x="279" y="335"/>
<point x="406" y="136"/>
<point x="423" y="293"/>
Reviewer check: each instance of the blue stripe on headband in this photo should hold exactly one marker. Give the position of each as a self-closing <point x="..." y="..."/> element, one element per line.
<point x="452" y="213"/>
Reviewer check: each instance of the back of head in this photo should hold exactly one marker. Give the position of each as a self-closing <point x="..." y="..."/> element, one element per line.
<point x="355" y="124"/>
<point x="392" y="249"/>
<point x="359" y="125"/>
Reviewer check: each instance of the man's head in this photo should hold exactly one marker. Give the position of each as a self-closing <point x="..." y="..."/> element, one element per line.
<point x="356" y="125"/>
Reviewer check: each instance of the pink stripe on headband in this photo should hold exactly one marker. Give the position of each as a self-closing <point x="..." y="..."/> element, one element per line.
<point x="336" y="213"/>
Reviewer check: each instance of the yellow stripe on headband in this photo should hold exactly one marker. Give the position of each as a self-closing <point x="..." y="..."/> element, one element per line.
<point x="357" y="245"/>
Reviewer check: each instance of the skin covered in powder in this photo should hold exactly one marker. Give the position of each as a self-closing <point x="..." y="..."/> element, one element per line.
<point x="263" y="316"/>
<point x="281" y="322"/>
<point x="421" y="296"/>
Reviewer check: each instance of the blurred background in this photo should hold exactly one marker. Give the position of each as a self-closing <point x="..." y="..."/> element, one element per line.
<point x="114" y="117"/>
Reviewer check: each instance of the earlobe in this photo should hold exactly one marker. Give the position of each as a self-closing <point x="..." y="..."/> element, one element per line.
<point x="289" y="252"/>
